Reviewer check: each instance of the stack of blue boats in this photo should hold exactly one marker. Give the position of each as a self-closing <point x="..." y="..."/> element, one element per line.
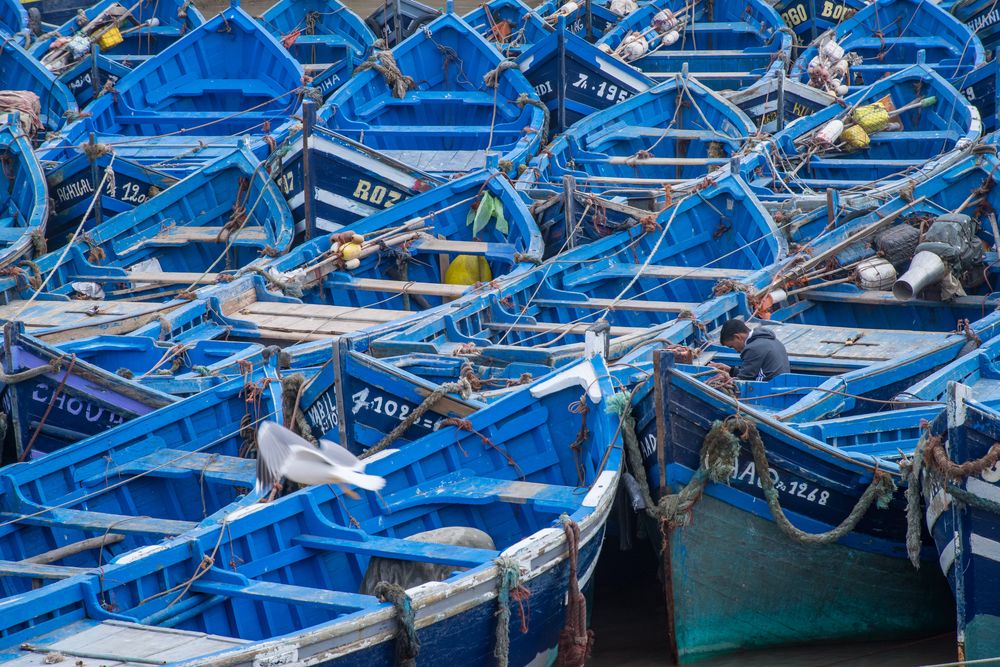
<point x="490" y="254"/>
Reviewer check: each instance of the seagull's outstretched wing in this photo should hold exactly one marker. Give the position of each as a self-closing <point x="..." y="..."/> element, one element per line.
<point x="274" y="449"/>
<point x="341" y="456"/>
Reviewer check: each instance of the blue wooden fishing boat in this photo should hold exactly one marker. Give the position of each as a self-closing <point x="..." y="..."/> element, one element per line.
<point x="545" y="318"/>
<point x="24" y="207"/>
<point x="510" y="25"/>
<point x="726" y="46"/>
<point x="126" y="272"/>
<point x="74" y="184"/>
<point x="412" y="256"/>
<point x="111" y="40"/>
<point x="810" y="18"/>
<point x="960" y="492"/>
<point x="20" y="72"/>
<point x="860" y="585"/>
<point x="915" y="134"/>
<point x="57" y="395"/>
<point x="153" y="477"/>
<point x="677" y="132"/>
<point x="448" y="103"/>
<point x="884" y="38"/>
<point x="816" y="424"/>
<point x="574" y="79"/>
<point x="347" y="181"/>
<point x="308" y="564"/>
<point x="193" y="102"/>
<point x="218" y="220"/>
<point x="324" y="36"/>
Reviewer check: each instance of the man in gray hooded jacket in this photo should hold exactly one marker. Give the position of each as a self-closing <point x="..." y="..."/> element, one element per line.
<point x="762" y="354"/>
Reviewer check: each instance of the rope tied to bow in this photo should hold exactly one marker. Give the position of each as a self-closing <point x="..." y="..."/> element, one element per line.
<point x="508" y="588"/>
<point x="525" y="99"/>
<point x="407" y="642"/>
<point x="576" y="641"/>
<point x="492" y="78"/>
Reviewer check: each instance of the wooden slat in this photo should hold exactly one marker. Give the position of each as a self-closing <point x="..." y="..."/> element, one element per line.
<point x="429" y="244"/>
<point x="102" y="521"/>
<point x="553" y="327"/>
<point x="667" y="161"/>
<point x="78" y="319"/>
<point x="389" y="547"/>
<point x="403" y="287"/>
<point x="266" y="591"/>
<point x="324" y="313"/>
<point x="9" y="568"/>
<point x="625" y="304"/>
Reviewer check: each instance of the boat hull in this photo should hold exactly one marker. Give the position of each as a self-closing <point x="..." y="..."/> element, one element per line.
<point x="724" y="601"/>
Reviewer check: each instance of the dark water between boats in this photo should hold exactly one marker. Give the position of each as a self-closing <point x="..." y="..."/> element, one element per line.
<point x="629" y="615"/>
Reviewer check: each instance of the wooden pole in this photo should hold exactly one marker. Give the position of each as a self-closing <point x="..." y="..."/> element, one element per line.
<point x="308" y="120"/>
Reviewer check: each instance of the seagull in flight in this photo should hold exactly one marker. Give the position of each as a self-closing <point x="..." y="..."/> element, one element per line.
<point x="283" y="454"/>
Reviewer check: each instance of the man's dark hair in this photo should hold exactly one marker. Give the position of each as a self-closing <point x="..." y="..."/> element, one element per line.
<point x="731" y="328"/>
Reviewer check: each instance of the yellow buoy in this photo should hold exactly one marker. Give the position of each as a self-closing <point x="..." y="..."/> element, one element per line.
<point x="856" y="137"/>
<point x="350" y="251"/>
<point x="872" y="118"/>
<point x="112" y="37"/>
<point x="468" y="270"/>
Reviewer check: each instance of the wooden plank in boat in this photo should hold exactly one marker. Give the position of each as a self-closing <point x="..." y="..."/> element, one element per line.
<point x="167" y="462"/>
<point x="398" y="549"/>
<point x="324" y="312"/>
<point x="667" y="161"/>
<point x="878" y="298"/>
<point x="429" y="244"/>
<point x="9" y="568"/>
<point x="181" y="235"/>
<point x="624" y="304"/>
<point x="403" y="287"/>
<point x="266" y="591"/>
<point x="855" y="343"/>
<point x="660" y="271"/>
<point x="102" y="521"/>
<point x="127" y="640"/>
<point x="440" y="161"/>
<point x="556" y="328"/>
<point x="78" y="319"/>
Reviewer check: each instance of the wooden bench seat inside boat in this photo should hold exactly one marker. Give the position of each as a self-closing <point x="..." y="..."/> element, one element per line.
<point x="306" y="321"/>
<point x="9" y="568"/>
<point x="267" y="591"/>
<point x="625" y="304"/>
<point x="216" y="468"/>
<point x="462" y="488"/>
<point x="72" y="320"/>
<point x="101" y="521"/>
<point x="400" y="549"/>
